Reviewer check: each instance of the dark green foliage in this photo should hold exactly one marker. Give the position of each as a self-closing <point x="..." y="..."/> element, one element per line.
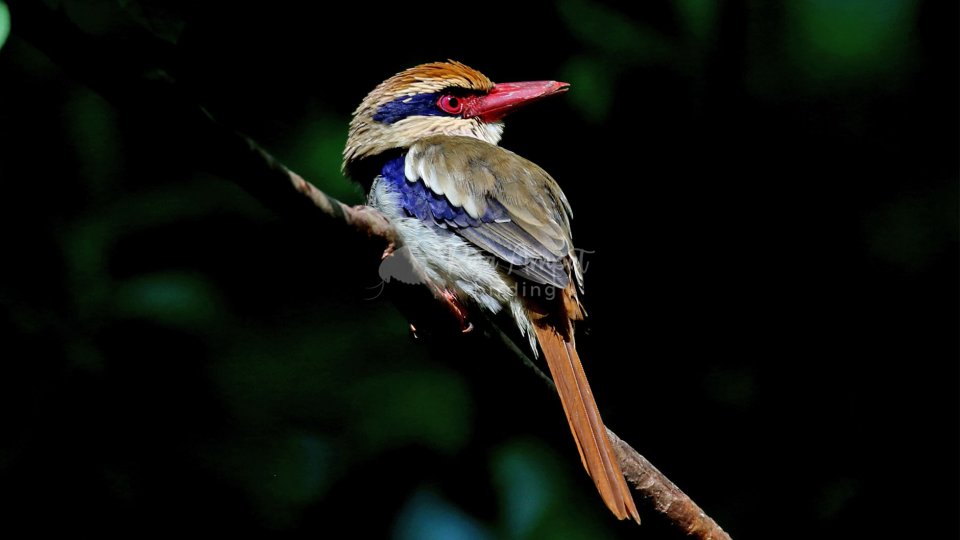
<point x="176" y="357"/>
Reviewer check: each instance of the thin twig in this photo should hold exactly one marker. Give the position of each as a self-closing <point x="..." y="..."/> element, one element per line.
<point x="117" y="74"/>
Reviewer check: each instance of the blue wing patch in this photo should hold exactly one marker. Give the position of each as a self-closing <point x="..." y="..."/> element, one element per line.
<point x="421" y="202"/>
<point x="493" y="232"/>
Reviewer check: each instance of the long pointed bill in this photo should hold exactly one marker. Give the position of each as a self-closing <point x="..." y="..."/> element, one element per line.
<point x="504" y="98"/>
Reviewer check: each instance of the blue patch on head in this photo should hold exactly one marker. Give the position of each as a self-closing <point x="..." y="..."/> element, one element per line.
<point x="421" y="202"/>
<point x="404" y="106"/>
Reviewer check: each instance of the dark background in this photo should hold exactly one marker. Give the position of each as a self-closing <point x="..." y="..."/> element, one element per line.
<point x="769" y="190"/>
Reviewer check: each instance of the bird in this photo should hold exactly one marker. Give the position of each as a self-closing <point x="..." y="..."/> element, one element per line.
<point x="488" y="230"/>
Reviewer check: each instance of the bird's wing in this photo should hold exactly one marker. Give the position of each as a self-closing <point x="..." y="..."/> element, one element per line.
<point x="495" y="199"/>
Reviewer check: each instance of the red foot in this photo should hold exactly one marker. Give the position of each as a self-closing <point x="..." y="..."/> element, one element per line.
<point x="458" y="311"/>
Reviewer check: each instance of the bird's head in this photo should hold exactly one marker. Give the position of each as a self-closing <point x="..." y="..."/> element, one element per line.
<point x="441" y="98"/>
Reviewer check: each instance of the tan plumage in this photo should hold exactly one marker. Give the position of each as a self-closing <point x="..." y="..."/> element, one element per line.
<point x="553" y="326"/>
<point x="428" y="78"/>
<point x="471" y="172"/>
<point x="587" y="427"/>
<point x="518" y="214"/>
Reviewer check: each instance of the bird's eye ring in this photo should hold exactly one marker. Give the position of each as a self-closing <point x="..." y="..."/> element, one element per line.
<point x="450" y="104"/>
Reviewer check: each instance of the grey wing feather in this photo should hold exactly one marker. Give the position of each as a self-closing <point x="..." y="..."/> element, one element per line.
<point x="534" y="240"/>
<point x="524" y="255"/>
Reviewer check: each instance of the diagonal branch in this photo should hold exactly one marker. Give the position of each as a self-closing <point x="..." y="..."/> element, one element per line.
<point x="654" y="488"/>
<point x="665" y="497"/>
<point x="118" y="75"/>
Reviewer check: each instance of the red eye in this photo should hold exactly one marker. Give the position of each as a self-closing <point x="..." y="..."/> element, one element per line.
<point x="450" y="104"/>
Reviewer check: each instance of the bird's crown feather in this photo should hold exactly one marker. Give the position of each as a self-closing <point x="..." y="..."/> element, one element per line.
<point x="373" y="130"/>
<point x="427" y="78"/>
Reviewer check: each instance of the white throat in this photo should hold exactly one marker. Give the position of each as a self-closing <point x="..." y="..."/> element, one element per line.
<point x="490" y="133"/>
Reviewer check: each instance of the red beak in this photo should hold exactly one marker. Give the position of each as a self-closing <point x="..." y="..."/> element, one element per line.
<point x="503" y="98"/>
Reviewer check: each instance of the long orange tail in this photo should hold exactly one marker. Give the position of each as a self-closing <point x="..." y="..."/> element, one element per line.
<point x="588" y="429"/>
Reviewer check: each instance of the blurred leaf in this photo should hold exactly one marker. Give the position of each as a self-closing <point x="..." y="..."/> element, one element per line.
<point x="300" y="371"/>
<point x="317" y="154"/>
<point x="914" y="230"/>
<point x="161" y="17"/>
<point x="4" y="23"/>
<point x="592" y="85"/>
<point x="281" y="473"/>
<point x="297" y="470"/>
<point x="614" y="34"/>
<point x="521" y="473"/>
<point x="428" y="517"/>
<point x="95" y="138"/>
<point x="182" y="201"/>
<point x="616" y="43"/>
<point x="176" y="299"/>
<point x="537" y="498"/>
<point x="431" y="408"/>
<point x="265" y="378"/>
<point x="699" y="16"/>
<point x="846" y="40"/>
<point x="84" y="247"/>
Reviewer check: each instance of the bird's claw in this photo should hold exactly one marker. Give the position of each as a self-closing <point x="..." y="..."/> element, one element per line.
<point x="458" y="311"/>
<point x="388" y="251"/>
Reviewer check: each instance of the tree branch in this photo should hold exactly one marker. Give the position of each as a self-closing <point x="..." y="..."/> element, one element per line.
<point x="665" y="497"/>
<point x="654" y="488"/>
<point x="120" y="76"/>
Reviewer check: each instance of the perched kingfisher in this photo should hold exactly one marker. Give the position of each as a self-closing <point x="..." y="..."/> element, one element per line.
<point x="489" y="229"/>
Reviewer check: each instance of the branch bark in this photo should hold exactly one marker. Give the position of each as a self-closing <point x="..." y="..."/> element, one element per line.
<point x="663" y="495"/>
<point x="654" y="488"/>
<point x="118" y="74"/>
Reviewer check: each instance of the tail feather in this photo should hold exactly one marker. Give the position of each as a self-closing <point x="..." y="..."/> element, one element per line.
<point x="583" y="416"/>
